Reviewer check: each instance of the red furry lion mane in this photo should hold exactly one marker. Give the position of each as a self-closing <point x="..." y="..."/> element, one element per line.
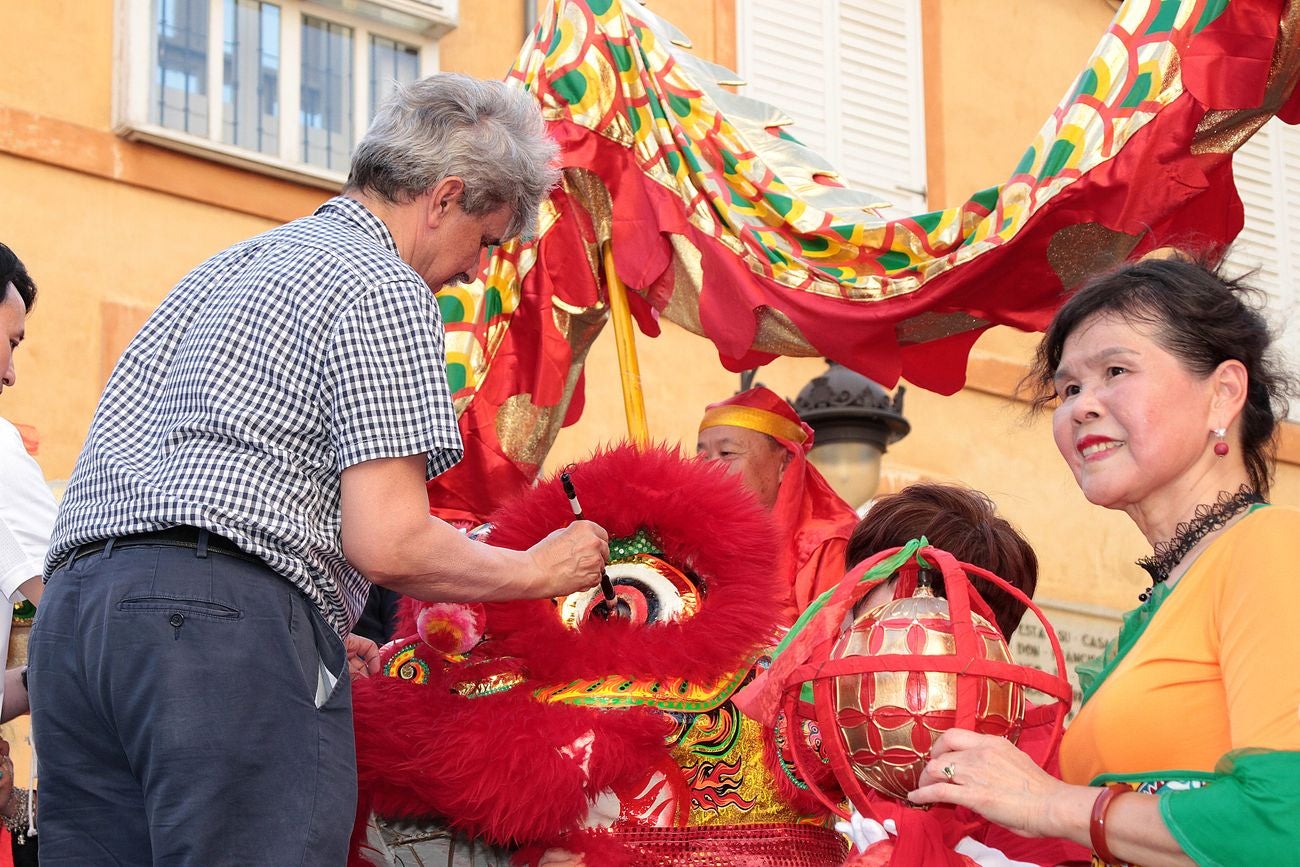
<point x="493" y="766"/>
<point x="704" y="522"/>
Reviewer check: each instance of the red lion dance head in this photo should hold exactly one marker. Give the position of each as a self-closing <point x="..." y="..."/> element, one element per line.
<point x="611" y="736"/>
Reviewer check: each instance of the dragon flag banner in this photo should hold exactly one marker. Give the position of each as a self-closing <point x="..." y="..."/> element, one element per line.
<point x="720" y="221"/>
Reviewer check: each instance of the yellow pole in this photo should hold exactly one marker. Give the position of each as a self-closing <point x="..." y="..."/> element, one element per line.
<point x="628" y="368"/>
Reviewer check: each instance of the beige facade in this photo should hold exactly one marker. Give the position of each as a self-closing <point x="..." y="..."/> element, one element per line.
<point x="107" y="225"/>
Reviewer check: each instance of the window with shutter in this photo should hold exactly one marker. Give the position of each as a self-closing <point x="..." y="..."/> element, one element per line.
<point x="848" y="73"/>
<point x="1267" y="169"/>
<point x="784" y="61"/>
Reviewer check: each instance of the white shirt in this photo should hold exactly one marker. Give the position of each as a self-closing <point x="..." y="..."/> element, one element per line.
<point x="26" y="518"/>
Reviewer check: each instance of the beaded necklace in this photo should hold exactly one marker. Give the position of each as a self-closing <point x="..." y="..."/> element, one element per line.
<point x="1207" y="518"/>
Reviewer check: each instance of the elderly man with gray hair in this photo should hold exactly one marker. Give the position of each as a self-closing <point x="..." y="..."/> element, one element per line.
<point x="258" y="457"/>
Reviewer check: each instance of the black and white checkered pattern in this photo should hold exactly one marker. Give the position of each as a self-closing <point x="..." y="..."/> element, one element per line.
<point x="268" y="370"/>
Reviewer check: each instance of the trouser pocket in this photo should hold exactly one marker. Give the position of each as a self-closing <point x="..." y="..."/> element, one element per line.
<point x="321" y="654"/>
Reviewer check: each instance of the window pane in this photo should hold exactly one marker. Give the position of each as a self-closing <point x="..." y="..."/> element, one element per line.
<point x="391" y="64"/>
<point x="250" y="92"/>
<point x="178" y="97"/>
<point x="327" y="76"/>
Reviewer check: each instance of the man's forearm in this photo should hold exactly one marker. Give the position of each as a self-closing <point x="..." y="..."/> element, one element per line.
<point x="15" y="701"/>
<point x="32" y="589"/>
<point x="390" y="538"/>
<point x="436" y="562"/>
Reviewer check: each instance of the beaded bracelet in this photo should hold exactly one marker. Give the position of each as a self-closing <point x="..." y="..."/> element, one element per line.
<point x="1097" y="824"/>
<point x="17" y="823"/>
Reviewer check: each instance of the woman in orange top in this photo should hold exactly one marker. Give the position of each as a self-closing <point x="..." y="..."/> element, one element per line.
<point x="1187" y="748"/>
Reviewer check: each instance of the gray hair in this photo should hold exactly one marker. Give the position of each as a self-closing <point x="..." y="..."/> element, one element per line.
<point x="487" y="133"/>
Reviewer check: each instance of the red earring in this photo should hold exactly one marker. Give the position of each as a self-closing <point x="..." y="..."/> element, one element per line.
<point x="1221" y="447"/>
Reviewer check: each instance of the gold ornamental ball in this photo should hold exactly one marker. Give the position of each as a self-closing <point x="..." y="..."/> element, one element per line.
<point x="900" y="699"/>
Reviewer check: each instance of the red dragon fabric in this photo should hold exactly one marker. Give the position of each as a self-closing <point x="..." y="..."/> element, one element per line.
<point x="720" y="221"/>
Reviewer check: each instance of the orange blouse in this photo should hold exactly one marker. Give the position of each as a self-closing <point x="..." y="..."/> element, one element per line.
<point x="1216" y="669"/>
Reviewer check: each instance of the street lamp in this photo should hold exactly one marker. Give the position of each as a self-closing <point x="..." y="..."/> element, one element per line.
<point x="854" y="420"/>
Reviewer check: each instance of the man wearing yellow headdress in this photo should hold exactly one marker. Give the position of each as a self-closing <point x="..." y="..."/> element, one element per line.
<point x="760" y="438"/>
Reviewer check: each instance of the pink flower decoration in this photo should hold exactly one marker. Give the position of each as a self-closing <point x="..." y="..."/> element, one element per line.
<point x="451" y="628"/>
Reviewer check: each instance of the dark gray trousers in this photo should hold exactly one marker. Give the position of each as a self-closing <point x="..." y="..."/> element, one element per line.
<point x="174" y="714"/>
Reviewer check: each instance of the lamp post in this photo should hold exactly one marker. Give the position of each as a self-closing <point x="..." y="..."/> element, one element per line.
<point x="854" y="421"/>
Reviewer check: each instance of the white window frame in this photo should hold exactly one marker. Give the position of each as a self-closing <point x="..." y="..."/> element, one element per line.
<point x="425" y="21"/>
<point x="908" y="196"/>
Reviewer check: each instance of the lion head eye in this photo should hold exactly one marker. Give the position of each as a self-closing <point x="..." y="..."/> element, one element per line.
<point x="647" y="591"/>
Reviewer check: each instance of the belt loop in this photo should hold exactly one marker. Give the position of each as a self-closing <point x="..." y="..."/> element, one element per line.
<point x="108" y="547"/>
<point x="202" y="549"/>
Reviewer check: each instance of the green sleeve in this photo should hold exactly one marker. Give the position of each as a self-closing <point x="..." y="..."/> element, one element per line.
<point x="1249" y="814"/>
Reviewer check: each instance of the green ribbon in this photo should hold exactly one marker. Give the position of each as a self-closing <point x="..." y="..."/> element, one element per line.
<point x="876" y="574"/>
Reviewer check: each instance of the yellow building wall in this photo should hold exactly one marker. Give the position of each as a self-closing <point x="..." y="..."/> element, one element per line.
<point x="103" y="254"/>
<point x="59" y="60"/>
<point x="107" y="226"/>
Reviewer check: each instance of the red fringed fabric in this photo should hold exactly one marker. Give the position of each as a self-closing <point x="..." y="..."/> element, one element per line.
<point x="1017" y="252"/>
<point x="707" y="846"/>
<point x="535" y="357"/>
<point x="492" y="766"/>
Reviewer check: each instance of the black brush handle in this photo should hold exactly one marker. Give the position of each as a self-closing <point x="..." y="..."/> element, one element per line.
<point x="606" y="586"/>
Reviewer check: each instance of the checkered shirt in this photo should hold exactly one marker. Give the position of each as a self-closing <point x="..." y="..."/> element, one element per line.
<point x="266" y="372"/>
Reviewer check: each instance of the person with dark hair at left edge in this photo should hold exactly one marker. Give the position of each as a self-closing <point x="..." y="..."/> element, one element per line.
<point x="27" y="511"/>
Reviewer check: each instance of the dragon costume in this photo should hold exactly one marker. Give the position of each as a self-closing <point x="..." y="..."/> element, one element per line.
<point x="605" y="729"/>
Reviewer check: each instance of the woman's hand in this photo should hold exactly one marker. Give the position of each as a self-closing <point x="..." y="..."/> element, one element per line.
<point x="991" y="776"/>
<point x="6" y="779"/>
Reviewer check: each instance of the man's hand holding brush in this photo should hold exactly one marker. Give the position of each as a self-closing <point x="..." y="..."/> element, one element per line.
<point x="572" y="558"/>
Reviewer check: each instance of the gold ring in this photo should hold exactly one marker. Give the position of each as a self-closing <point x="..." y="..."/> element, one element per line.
<point x="949" y="771"/>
